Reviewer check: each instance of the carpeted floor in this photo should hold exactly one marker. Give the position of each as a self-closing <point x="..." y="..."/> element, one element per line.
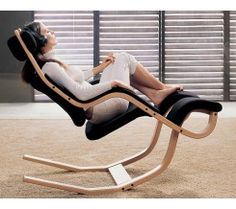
<point x="200" y="168"/>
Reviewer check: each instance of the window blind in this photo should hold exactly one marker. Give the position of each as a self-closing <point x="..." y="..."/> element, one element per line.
<point x="135" y="32"/>
<point x="233" y="55"/>
<point x="194" y="51"/>
<point x="74" y="32"/>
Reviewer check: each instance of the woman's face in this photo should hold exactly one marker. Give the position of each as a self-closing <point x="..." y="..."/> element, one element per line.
<point x="49" y="34"/>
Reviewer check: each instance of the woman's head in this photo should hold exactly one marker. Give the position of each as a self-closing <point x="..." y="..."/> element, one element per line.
<point x="45" y="38"/>
<point x="46" y="41"/>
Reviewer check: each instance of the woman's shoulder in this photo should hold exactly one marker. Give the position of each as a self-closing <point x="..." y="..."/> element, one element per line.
<point x="53" y="69"/>
<point x="51" y="66"/>
<point x="74" y="67"/>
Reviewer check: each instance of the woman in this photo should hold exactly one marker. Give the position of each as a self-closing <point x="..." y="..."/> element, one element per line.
<point x="119" y="69"/>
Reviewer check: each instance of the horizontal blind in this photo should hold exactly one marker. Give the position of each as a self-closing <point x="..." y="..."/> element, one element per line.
<point x="135" y="32"/>
<point x="74" y="33"/>
<point x="233" y="55"/>
<point x="194" y="51"/>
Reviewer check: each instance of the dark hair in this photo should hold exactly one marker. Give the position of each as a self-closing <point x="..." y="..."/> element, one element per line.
<point x="28" y="70"/>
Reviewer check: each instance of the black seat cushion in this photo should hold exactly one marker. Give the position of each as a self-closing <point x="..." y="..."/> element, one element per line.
<point x="186" y="105"/>
<point x="97" y="131"/>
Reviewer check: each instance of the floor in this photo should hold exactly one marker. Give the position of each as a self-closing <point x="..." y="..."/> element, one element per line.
<point x="53" y="111"/>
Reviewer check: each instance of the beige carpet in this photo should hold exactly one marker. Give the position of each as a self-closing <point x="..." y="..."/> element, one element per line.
<point x="200" y="168"/>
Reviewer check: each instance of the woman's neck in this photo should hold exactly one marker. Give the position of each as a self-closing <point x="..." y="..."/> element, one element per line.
<point x="46" y="49"/>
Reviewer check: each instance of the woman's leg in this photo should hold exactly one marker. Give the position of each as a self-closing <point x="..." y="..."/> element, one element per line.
<point x="144" y="78"/>
<point x="115" y="106"/>
<point x="119" y="70"/>
<point x="156" y="96"/>
<point x="127" y="69"/>
<point x="145" y="82"/>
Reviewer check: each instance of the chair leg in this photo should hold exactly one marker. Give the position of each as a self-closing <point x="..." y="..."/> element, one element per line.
<point x="164" y="164"/>
<point x="125" y="182"/>
<point x="124" y="162"/>
<point x="120" y="187"/>
<point x="61" y="165"/>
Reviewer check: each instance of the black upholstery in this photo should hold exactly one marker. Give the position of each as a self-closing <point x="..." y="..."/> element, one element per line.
<point x="97" y="131"/>
<point x="186" y="105"/>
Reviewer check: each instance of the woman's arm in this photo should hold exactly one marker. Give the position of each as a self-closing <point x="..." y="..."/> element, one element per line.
<point x="106" y="61"/>
<point x="100" y="68"/>
<point x="82" y="92"/>
<point x="92" y="72"/>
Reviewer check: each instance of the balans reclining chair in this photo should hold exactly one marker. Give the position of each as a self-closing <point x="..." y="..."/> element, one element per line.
<point x="171" y="112"/>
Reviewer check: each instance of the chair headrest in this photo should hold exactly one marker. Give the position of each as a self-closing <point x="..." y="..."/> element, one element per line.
<point x="33" y="41"/>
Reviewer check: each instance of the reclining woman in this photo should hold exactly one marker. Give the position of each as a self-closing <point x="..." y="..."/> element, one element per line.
<point x="118" y="69"/>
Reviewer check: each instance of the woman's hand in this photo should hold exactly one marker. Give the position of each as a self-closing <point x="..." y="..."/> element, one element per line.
<point x="116" y="83"/>
<point x="109" y="58"/>
<point x="105" y="62"/>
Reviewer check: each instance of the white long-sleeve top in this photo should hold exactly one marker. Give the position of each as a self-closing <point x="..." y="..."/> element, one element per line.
<point x="74" y="79"/>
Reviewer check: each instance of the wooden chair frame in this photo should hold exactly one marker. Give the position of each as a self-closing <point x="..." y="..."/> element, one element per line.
<point x="117" y="169"/>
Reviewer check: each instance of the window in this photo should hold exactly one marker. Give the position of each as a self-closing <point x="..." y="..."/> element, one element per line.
<point x="194" y="52"/>
<point x="191" y="43"/>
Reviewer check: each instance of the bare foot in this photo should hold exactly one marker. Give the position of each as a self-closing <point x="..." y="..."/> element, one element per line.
<point x="179" y="86"/>
<point x="160" y="95"/>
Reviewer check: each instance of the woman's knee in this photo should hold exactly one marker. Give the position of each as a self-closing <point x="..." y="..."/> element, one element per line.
<point x="122" y="57"/>
<point x="132" y="62"/>
<point x="126" y="54"/>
